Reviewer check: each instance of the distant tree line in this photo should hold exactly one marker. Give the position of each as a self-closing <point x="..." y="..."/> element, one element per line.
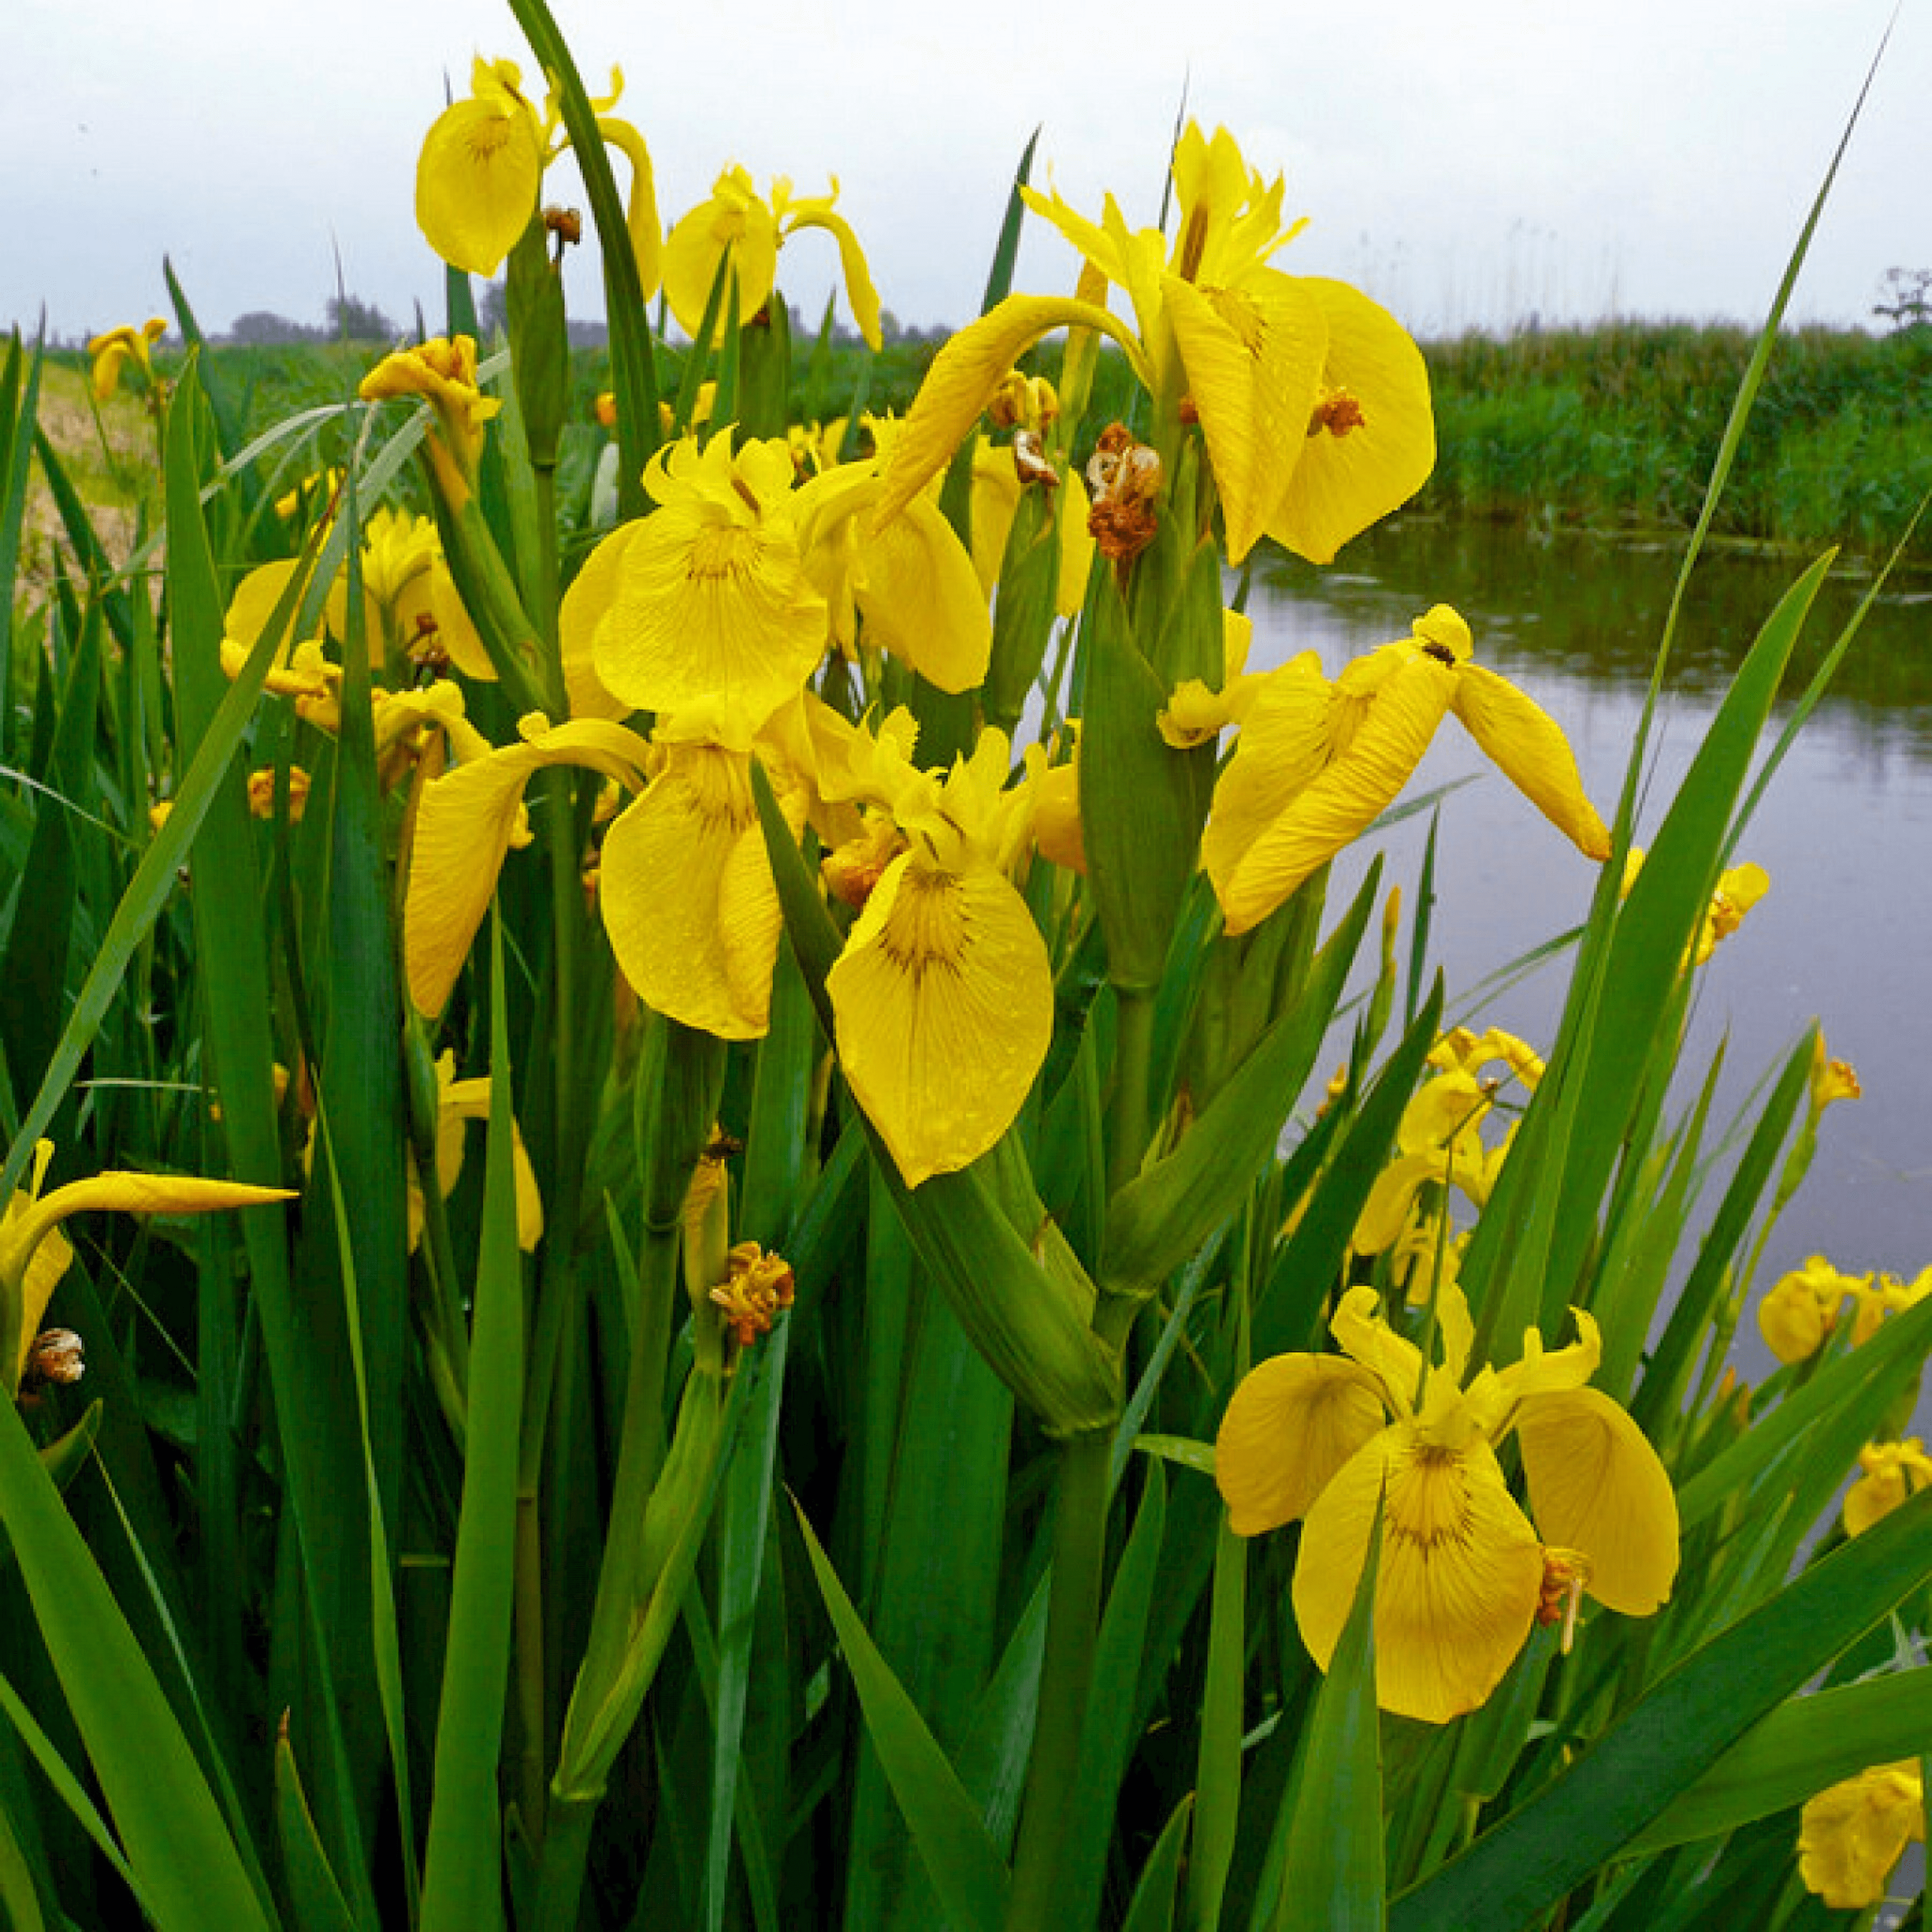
<point x="346" y="319"/>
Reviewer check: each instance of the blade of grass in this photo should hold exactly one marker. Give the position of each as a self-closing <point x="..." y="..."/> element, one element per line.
<point x="463" y="1878"/>
<point x="1662" y="1745"/>
<point x="968" y="1872"/>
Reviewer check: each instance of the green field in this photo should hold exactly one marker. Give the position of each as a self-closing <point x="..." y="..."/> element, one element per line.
<point x="1611" y="428"/>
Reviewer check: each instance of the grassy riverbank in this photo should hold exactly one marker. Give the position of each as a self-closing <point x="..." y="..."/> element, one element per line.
<point x="1612" y="427"/>
<point x="1616" y="427"/>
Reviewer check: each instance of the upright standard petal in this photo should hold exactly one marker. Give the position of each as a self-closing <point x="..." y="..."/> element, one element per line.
<point x="1293" y="1422"/>
<point x="1596" y="1485"/>
<point x="921" y="599"/>
<point x="1370" y="440"/>
<point x="943" y="1001"/>
<point x="1461" y="1574"/>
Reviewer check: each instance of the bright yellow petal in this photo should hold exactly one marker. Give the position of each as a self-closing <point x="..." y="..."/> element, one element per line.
<point x="1851" y="1836"/>
<point x="1385" y="1213"/>
<point x="1394" y="1361"/>
<point x="859" y="289"/>
<point x="1527" y="746"/>
<point x="942" y="1000"/>
<point x="640" y="207"/>
<point x="463" y="823"/>
<point x="710" y="598"/>
<point x="1596" y="1485"/>
<point x="735" y="222"/>
<point x="1254" y="357"/>
<point x="921" y="599"/>
<point x="1461" y="1576"/>
<point x="1283" y="745"/>
<point x="1294" y="1421"/>
<point x="477" y="181"/>
<point x="1345" y="482"/>
<point x="1340" y="804"/>
<point x="681" y="940"/>
<point x="963" y="376"/>
<point x="33" y="1249"/>
<point x="996" y="496"/>
<point x="582" y="611"/>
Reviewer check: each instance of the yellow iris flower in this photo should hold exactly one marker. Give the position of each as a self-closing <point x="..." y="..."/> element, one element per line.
<point x="708" y="597"/>
<point x="458" y="1103"/>
<point x="480" y="172"/>
<point x="1739" y="889"/>
<point x="1801" y="1309"/>
<point x="1889" y="1473"/>
<point x="1437" y="1140"/>
<point x="739" y="222"/>
<point x="35" y="1254"/>
<point x="1316" y="763"/>
<point x="1330" y="1438"/>
<point x="943" y="997"/>
<point x="1850" y="1836"/>
<point x="413" y="608"/>
<point x="443" y="373"/>
<point x="1313" y="402"/>
<point x="119" y="347"/>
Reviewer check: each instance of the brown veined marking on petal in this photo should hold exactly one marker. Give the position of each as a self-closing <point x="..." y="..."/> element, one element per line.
<point x="720" y="549"/>
<point x="488" y="138"/>
<point x="928" y="924"/>
<point x="1193" y="243"/>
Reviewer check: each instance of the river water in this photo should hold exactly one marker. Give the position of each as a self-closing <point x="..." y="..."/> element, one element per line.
<point x="1844" y="830"/>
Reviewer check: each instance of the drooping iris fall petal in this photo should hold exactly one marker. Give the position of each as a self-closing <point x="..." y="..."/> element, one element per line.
<point x="478" y="179"/>
<point x="1461" y="1573"/>
<point x="1369" y="443"/>
<point x="464" y="820"/>
<point x="1527" y="746"/>
<point x="688" y="896"/>
<point x="1596" y="1485"/>
<point x="1850" y="1836"/>
<point x="1291" y="1425"/>
<point x="942" y="1000"/>
<point x="1340" y="804"/>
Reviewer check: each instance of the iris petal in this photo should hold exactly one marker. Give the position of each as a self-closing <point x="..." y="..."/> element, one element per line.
<point x="1293" y="1422"/>
<point x="944" y="1003"/>
<point x="1596" y="1485"/>
<point x="1461" y="1574"/>
<point x="1527" y="746"/>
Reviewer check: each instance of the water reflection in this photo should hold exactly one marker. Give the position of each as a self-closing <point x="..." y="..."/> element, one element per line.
<point x="1845" y="828"/>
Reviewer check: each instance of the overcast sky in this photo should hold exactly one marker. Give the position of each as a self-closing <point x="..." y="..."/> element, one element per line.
<point x="1467" y="164"/>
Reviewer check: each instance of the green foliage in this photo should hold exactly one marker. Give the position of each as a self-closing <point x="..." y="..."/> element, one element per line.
<point x="400" y="1563"/>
